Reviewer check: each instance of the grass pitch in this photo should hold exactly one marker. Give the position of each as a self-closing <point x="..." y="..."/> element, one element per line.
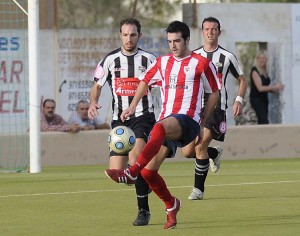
<point x="255" y="197"/>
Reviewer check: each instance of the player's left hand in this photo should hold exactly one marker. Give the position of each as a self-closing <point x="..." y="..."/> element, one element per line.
<point x="237" y="108"/>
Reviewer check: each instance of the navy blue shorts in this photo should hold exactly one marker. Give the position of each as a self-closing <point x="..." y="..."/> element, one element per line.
<point x="191" y="130"/>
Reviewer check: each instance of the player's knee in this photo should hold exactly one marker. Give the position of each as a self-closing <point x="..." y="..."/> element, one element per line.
<point x="188" y="151"/>
<point x="188" y="155"/>
<point x="147" y="174"/>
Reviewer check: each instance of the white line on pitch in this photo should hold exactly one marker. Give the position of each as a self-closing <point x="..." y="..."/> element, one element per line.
<point x="118" y="190"/>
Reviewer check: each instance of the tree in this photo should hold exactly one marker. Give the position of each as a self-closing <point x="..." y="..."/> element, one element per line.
<point x="107" y="14"/>
<point x="267" y="1"/>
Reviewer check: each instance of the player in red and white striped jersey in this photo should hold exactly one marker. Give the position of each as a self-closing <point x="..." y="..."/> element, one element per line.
<point x="183" y="77"/>
<point x="121" y="69"/>
<point x="183" y="82"/>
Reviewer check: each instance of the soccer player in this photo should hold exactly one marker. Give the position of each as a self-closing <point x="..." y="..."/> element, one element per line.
<point x="121" y="68"/>
<point x="183" y="77"/>
<point x="215" y="127"/>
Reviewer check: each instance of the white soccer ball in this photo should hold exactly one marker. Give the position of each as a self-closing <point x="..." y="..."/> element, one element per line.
<point x="121" y="139"/>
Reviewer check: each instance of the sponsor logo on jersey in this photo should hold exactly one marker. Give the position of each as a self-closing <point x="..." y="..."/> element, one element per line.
<point x="126" y="86"/>
<point x="186" y="69"/>
<point x="219" y="64"/>
<point x="173" y="83"/>
<point x="142" y="68"/>
<point x="173" y="79"/>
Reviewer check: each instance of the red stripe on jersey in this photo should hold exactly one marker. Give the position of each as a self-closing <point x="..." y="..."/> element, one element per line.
<point x="210" y="76"/>
<point x="166" y="77"/>
<point x="151" y="72"/>
<point x="183" y="83"/>
<point x="180" y="85"/>
<point x="196" y="90"/>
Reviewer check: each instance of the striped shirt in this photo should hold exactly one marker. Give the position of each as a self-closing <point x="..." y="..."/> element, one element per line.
<point x="225" y="62"/>
<point x="182" y="82"/>
<point x="122" y="72"/>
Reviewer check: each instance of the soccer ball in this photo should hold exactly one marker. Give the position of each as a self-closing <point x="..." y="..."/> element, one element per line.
<point x="121" y="139"/>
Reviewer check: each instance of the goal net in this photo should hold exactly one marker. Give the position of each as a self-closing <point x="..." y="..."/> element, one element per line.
<point x="14" y="120"/>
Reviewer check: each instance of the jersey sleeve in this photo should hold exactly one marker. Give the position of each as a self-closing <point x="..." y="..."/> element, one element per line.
<point x="152" y="75"/>
<point x="234" y="66"/>
<point x="101" y="72"/>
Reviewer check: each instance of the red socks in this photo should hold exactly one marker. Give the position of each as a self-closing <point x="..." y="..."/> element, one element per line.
<point x="157" y="137"/>
<point x="158" y="186"/>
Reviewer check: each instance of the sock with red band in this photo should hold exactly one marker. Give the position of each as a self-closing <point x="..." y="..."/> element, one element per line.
<point x="152" y="147"/>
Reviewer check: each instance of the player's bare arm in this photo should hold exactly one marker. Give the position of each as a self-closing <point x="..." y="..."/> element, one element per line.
<point x="140" y="92"/>
<point x="238" y="103"/>
<point x="94" y="97"/>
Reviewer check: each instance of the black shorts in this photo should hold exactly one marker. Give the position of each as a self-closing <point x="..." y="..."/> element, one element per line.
<point x="141" y="126"/>
<point x="217" y="124"/>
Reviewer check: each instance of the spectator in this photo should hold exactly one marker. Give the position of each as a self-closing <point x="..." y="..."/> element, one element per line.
<point x="80" y="117"/>
<point x="260" y="87"/>
<point x="53" y="122"/>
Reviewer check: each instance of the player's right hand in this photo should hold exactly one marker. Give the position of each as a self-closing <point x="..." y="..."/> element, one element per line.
<point x="127" y="113"/>
<point x="93" y="111"/>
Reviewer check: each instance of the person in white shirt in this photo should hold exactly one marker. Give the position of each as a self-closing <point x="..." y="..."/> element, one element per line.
<point x="80" y="117"/>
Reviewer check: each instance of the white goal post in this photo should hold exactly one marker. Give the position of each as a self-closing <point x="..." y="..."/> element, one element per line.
<point x="34" y="101"/>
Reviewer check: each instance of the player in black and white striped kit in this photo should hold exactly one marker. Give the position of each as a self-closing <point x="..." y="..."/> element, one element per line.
<point x="215" y="128"/>
<point x="121" y="69"/>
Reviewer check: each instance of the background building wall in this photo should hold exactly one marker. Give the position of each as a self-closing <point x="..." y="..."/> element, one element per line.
<point x="276" y="24"/>
<point x="242" y="142"/>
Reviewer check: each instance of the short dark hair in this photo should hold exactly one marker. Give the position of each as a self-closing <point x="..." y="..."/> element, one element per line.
<point x="212" y="19"/>
<point x="178" y="26"/>
<point x="48" y="100"/>
<point x="82" y="101"/>
<point x="130" y="21"/>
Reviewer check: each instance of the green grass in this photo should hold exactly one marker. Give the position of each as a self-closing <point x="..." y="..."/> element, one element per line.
<point x="255" y="197"/>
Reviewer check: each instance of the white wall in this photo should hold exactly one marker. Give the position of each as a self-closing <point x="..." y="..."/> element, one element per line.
<point x="68" y="59"/>
<point x="274" y="23"/>
<point x="59" y="148"/>
<point x="75" y="59"/>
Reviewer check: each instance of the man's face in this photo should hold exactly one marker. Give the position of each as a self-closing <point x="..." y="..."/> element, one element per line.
<point x="177" y="44"/>
<point x="82" y="110"/>
<point x="49" y="109"/>
<point x="210" y="33"/>
<point x="129" y="37"/>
